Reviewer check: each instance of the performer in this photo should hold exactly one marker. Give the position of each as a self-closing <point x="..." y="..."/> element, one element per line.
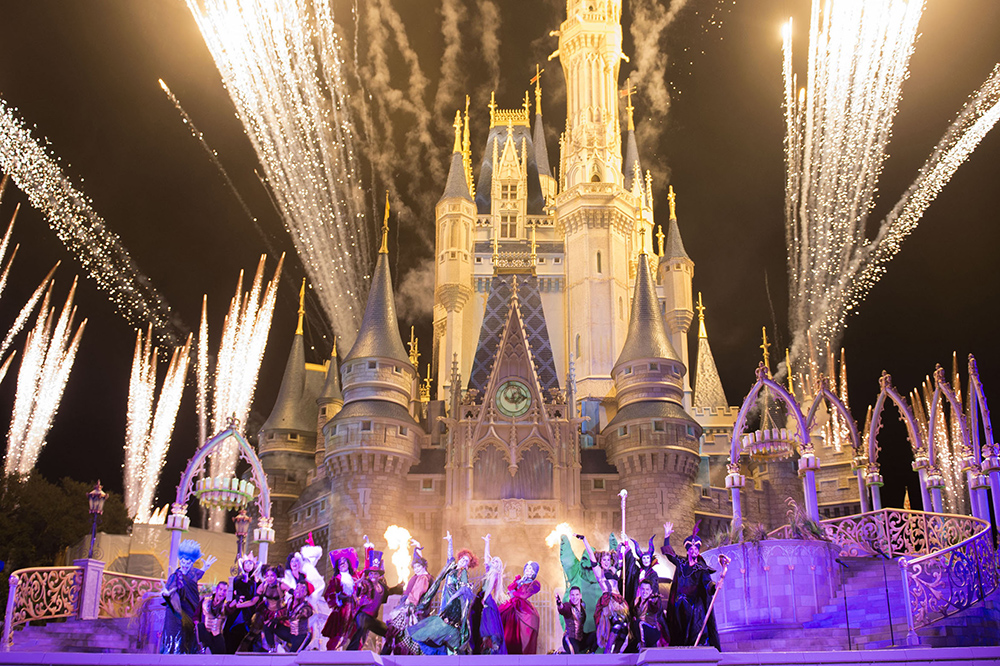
<point x="485" y="620"/>
<point x="580" y="573"/>
<point x="339" y="596"/>
<point x="520" y="619"/>
<point x="302" y="566"/>
<point x="213" y="617"/>
<point x="574" y="613"/>
<point x="371" y="592"/>
<point x="272" y="606"/>
<point x="646" y="624"/>
<point x="449" y="631"/>
<point x="241" y="606"/>
<point x="182" y="600"/>
<point x="612" y="609"/>
<point x="639" y="567"/>
<point x="397" y="641"/>
<point x="690" y="592"/>
<point x="293" y="625"/>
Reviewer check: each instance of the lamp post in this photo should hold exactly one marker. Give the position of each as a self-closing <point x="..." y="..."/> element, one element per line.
<point x="96" y="497"/>
<point x="242" y="523"/>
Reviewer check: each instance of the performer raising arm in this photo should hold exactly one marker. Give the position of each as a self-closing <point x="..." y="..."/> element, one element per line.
<point x="690" y="592"/>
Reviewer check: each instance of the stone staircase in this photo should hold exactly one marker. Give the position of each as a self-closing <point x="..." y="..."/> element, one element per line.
<point x="103" y="636"/>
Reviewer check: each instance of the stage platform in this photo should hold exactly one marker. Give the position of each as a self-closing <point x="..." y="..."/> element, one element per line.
<point x="958" y="656"/>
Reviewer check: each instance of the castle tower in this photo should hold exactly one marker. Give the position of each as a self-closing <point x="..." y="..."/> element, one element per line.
<point x="287" y="440"/>
<point x="372" y="441"/>
<point x="676" y="273"/>
<point x="651" y="440"/>
<point x="546" y="180"/>
<point x="330" y="401"/>
<point x="456" y="215"/>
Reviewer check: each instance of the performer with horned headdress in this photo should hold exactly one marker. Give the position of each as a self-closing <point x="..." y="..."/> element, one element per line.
<point x="638" y="568"/>
<point x="183" y="601"/>
<point x="690" y="592"/>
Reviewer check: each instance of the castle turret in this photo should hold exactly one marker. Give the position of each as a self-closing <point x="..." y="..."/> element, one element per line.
<point x="456" y="216"/>
<point x="330" y="400"/>
<point x="287" y="440"/>
<point x="372" y="441"/>
<point x="651" y="440"/>
<point x="676" y="273"/>
<point x="545" y="178"/>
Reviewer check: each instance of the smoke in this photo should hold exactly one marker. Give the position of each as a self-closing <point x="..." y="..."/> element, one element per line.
<point x="415" y="295"/>
<point x="650" y="21"/>
<point x="489" y="36"/>
<point x="453" y="74"/>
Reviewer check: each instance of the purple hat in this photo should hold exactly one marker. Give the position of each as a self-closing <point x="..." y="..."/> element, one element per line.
<point x="348" y="553"/>
<point x="694" y="539"/>
<point x="374" y="561"/>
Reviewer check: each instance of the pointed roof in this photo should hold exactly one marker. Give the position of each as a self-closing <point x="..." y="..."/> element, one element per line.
<point x="331" y="388"/>
<point x="288" y="412"/>
<point x="675" y="246"/>
<point x="456" y="186"/>
<point x="631" y="159"/>
<point x="647" y="337"/>
<point x="379" y="332"/>
<point x="708" y="391"/>
<point x="541" y="152"/>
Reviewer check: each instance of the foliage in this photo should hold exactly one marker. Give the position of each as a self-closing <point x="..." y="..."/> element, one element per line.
<point x="38" y="519"/>
<point x="802" y="526"/>
<point x="752" y="533"/>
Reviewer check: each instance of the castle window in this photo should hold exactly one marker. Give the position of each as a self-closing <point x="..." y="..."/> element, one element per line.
<point x="628" y="370"/>
<point x="371" y="365"/>
<point x="427" y="485"/>
<point x="508" y="192"/>
<point x="598" y="262"/>
<point x="366" y="426"/>
<point x="508" y="226"/>
<point x="578" y="345"/>
<point x="598" y="484"/>
<point x="398" y="370"/>
<point x="557" y="260"/>
<point x="654" y="366"/>
<point x="403" y="431"/>
<point x="659" y="427"/>
<point x="293" y="436"/>
<point x="622" y="431"/>
<point x="541" y="260"/>
<point x="347" y="369"/>
<point x="479" y="260"/>
<point x="690" y="431"/>
<point x="309" y="512"/>
<point x="333" y="430"/>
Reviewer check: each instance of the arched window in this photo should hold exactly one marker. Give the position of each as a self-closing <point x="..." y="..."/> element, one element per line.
<point x="598" y="261"/>
<point x="455" y="231"/>
<point x="578" y="345"/>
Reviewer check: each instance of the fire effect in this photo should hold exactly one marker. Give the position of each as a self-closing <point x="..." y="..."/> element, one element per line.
<point x="398" y="540"/>
<point x="552" y="539"/>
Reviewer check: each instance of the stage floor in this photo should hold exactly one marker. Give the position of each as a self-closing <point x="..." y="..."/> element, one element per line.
<point x="968" y="656"/>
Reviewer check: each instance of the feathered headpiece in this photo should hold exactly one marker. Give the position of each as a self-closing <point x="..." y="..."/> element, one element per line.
<point x="694" y="539"/>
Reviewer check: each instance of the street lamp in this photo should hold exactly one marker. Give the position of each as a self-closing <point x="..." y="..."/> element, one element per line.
<point x="96" y="497"/>
<point x="242" y="523"/>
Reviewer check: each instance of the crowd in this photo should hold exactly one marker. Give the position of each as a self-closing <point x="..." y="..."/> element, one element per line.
<point x="291" y="608"/>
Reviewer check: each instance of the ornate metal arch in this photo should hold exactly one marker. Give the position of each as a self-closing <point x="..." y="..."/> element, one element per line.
<point x="764" y="379"/>
<point x="887" y="390"/>
<point x="941" y="388"/>
<point x="978" y="409"/>
<point x="825" y="392"/>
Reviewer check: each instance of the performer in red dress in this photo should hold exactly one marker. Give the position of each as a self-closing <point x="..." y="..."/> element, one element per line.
<point x="340" y="596"/>
<point x="520" y="619"/>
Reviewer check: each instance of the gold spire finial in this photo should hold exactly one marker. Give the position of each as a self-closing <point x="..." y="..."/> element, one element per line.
<point x="659" y="241"/>
<point x="765" y="345"/>
<point x="302" y="307"/>
<point x="627" y="93"/>
<point x="458" y="132"/>
<point x="701" y="318"/>
<point x="493" y="108"/>
<point x="385" y="227"/>
<point x="414" y="353"/>
<point x="788" y="370"/>
<point x="467" y="151"/>
<point x="333" y="353"/>
<point x="534" y="245"/>
<point x="425" y="388"/>
<point x="527" y="105"/>
<point x="672" y="199"/>
<point x="537" y="80"/>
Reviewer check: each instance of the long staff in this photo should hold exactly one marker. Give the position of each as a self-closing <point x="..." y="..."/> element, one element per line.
<point x="724" y="561"/>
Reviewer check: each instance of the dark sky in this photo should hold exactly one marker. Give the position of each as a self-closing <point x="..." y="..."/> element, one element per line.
<point x="85" y="74"/>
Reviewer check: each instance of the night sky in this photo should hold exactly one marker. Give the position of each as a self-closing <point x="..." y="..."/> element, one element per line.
<point x="85" y="74"/>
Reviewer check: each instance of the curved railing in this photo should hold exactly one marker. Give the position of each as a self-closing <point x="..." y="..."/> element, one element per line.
<point x="947" y="561"/>
<point x="41" y="593"/>
<point x="122" y="594"/>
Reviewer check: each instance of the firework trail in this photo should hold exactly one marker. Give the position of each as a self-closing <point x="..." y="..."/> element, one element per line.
<point x="280" y="62"/>
<point x="148" y="431"/>
<point x="49" y="351"/>
<point x="70" y="214"/>
<point x="837" y="130"/>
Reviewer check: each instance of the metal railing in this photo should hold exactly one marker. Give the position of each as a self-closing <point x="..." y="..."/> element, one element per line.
<point x="122" y="594"/>
<point x="40" y="593"/>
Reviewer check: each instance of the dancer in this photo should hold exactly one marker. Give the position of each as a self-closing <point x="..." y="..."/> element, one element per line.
<point x="241" y="607"/>
<point x="182" y="600"/>
<point x="293" y="625"/>
<point x="449" y="631"/>
<point x="339" y="596"/>
<point x="213" y="618"/>
<point x="371" y="592"/>
<point x="397" y="640"/>
<point x="638" y="568"/>
<point x="272" y="606"/>
<point x="485" y="620"/>
<point x="612" y="609"/>
<point x="520" y="619"/>
<point x="579" y="572"/>
<point x="690" y="592"/>
<point x="646" y="625"/>
<point x="302" y="566"/>
<point x="574" y="613"/>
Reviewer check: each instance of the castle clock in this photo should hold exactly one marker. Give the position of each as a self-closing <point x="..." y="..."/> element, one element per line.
<point x="513" y="398"/>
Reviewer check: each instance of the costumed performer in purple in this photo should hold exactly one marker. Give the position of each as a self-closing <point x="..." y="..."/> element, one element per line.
<point x="690" y="591"/>
<point x="485" y="620"/>
<point x="339" y="596"/>
<point x="574" y="613"/>
<point x="449" y="631"/>
<point x="371" y="592"/>
<point x="611" y="611"/>
<point x="520" y="618"/>
<point x="397" y="641"/>
<point x="638" y="568"/>
<point x="213" y="618"/>
<point x="183" y="601"/>
<point x="293" y="627"/>
<point x="646" y="624"/>
<point x="242" y="605"/>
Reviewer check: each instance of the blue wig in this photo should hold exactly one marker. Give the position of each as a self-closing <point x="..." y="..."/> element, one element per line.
<point x="190" y="550"/>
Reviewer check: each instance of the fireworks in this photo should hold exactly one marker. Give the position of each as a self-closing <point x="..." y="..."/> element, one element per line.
<point x="281" y="65"/>
<point x="147" y="433"/>
<point x="837" y="129"/>
<point x="49" y="351"/>
<point x="398" y="539"/>
<point x="70" y="215"/>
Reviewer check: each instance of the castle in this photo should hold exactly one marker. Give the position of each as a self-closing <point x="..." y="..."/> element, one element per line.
<point x="561" y="337"/>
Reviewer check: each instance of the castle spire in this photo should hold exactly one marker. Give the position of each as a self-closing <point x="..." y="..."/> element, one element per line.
<point x="385" y="227"/>
<point x="459" y="172"/>
<point x="708" y="391"/>
<point x="631" y="168"/>
<point x="765" y="346"/>
<point x="675" y="246"/>
<point x="538" y="137"/>
<point x="467" y="151"/>
<point x="458" y="132"/>
<point x="302" y="307"/>
<point x="331" y="392"/>
<point x="289" y="412"/>
<point x="659" y="241"/>
<point x="537" y="80"/>
<point x="647" y="337"/>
